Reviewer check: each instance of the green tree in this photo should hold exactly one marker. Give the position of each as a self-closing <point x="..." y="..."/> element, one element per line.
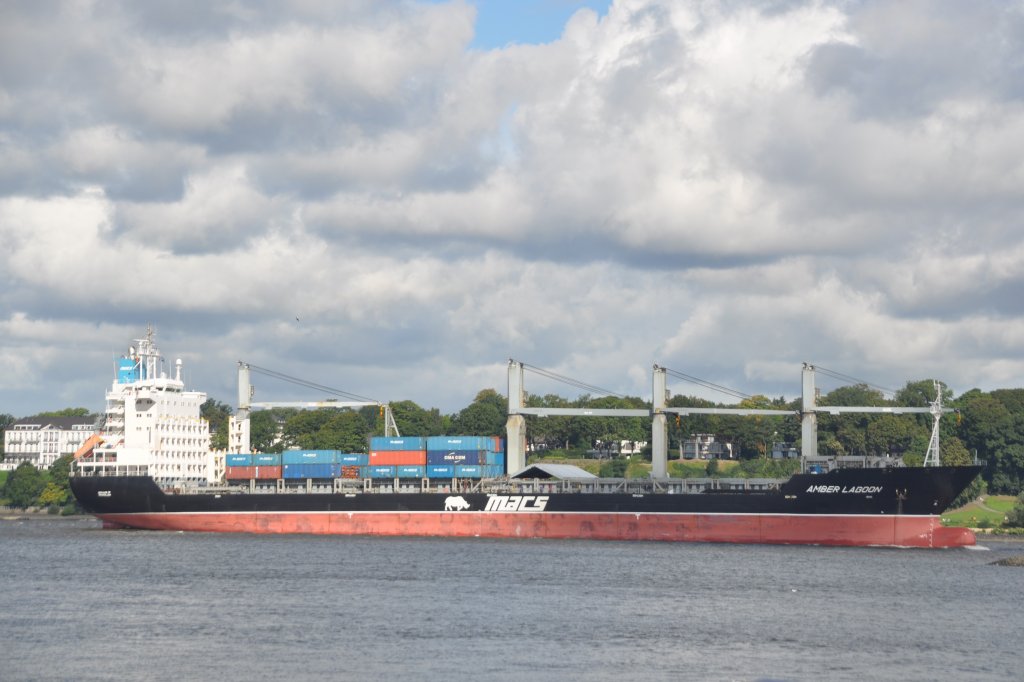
<point x="6" y="420"/>
<point x="326" y="429"/>
<point x="1008" y="472"/>
<point x="66" y="412"/>
<point x="549" y="432"/>
<point x="858" y="395"/>
<point x="486" y="416"/>
<point x="300" y="430"/>
<point x="991" y="430"/>
<point x="614" y="468"/>
<point x="52" y="494"/>
<point x="712" y="468"/>
<point x="60" y="472"/>
<point x="1011" y="398"/>
<point x="681" y="428"/>
<point x="264" y="427"/>
<point x="24" y="485"/>
<point x="921" y="394"/>
<point x="1016" y="516"/>
<point x="413" y="420"/>
<point x="953" y="453"/>
<point x="345" y="430"/>
<point x="216" y="413"/>
<point x="889" y="434"/>
<point x="829" y="446"/>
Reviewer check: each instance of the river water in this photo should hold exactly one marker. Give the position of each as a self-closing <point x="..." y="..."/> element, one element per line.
<point x="82" y="603"/>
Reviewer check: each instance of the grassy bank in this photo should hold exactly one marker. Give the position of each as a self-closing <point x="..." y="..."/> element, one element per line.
<point x="989" y="512"/>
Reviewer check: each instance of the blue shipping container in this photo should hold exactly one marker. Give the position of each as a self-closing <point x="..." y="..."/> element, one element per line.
<point x="397" y="443"/>
<point x="238" y="460"/>
<point x="471" y="471"/>
<point x="354" y="459"/>
<point x="381" y="471"/>
<point x="460" y="442"/>
<point x="310" y="456"/>
<point x="495" y="458"/>
<point x="440" y="471"/>
<point x="493" y="471"/>
<point x="312" y="470"/>
<point x="267" y="460"/>
<point x="455" y="456"/>
<point x="411" y="471"/>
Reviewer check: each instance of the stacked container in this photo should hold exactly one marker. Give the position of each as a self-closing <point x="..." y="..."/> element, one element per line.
<point x="465" y="456"/>
<point x="353" y="464"/>
<point x="411" y="471"/>
<point x="268" y="466"/>
<point x="410" y="457"/>
<point x="238" y="467"/>
<point x="381" y="471"/>
<point x="494" y="461"/>
<point x="397" y="443"/>
<point x="311" y="464"/>
<point x="397" y="457"/>
<point x="440" y="471"/>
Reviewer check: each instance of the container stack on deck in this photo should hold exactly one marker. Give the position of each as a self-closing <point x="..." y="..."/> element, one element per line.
<point x="353" y="464"/>
<point x="245" y="467"/>
<point x="397" y="457"/>
<point x="465" y="457"/>
<point x="409" y="457"/>
<point x="304" y="464"/>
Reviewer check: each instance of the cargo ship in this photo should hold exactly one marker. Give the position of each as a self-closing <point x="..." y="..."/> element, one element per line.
<point x="154" y="471"/>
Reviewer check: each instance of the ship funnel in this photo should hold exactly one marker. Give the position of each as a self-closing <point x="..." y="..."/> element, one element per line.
<point x="177" y="369"/>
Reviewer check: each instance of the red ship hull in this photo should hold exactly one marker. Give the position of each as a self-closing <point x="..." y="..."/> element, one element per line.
<point x="804" y="529"/>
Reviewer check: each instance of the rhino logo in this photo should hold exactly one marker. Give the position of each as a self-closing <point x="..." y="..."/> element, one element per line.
<point x="455" y="503"/>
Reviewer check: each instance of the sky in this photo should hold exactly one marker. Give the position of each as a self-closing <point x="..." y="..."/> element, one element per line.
<point x="395" y="198"/>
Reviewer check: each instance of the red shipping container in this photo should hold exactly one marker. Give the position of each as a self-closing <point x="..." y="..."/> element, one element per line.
<point x="397" y="457"/>
<point x="268" y="472"/>
<point x="239" y="473"/>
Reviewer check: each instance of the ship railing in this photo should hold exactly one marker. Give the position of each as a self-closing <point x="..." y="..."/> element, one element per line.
<point x="821" y="465"/>
<point x="91" y="470"/>
<point x="100" y="456"/>
<point x="535" y="486"/>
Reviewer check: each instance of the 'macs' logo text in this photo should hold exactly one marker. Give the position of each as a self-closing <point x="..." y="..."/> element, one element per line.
<point x="511" y="503"/>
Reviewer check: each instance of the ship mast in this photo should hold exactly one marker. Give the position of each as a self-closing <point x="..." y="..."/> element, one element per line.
<point x="932" y="458"/>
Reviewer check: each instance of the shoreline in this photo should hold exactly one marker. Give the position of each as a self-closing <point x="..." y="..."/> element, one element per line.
<point x="995" y="533"/>
<point x="36" y="514"/>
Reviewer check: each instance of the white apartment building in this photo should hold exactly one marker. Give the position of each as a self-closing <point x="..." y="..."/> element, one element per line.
<point x="40" y="441"/>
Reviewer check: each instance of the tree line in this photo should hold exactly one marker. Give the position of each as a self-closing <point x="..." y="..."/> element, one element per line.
<point x="27" y="486"/>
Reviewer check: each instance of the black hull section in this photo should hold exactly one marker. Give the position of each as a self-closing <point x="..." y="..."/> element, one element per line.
<point x="896" y="491"/>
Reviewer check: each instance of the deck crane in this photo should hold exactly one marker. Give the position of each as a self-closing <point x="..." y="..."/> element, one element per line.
<point x="238" y="424"/>
<point x="516" y="424"/>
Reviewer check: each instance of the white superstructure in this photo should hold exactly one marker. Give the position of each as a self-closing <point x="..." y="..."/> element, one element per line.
<point x="153" y="425"/>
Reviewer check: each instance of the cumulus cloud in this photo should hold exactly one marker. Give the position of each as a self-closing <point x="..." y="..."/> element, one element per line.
<point x="353" y="193"/>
